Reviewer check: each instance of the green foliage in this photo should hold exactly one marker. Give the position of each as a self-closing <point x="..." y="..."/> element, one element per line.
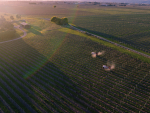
<point x="62" y="21"/>
<point x="2" y="18"/>
<point x="54" y="6"/>
<point x="11" y="17"/>
<point x="58" y="21"/>
<point x="18" y="16"/>
<point x="54" y="18"/>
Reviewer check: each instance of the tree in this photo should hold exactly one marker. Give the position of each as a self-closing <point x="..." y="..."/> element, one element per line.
<point x="18" y="16"/>
<point x="11" y="17"/>
<point x="2" y="18"/>
<point x="54" y="6"/>
<point x="54" y="18"/>
<point x="62" y="21"/>
<point x="58" y="21"/>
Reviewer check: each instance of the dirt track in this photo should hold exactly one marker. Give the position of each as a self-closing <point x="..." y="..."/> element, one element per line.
<point x="74" y="28"/>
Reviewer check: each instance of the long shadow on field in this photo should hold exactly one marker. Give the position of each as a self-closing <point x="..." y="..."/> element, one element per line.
<point x="36" y="27"/>
<point x="110" y="37"/>
<point x="27" y="67"/>
<point x="35" y="31"/>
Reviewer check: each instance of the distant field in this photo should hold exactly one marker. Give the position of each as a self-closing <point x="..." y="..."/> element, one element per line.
<point x="129" y="25"/>
<point x="133" y="30"/>
<point x="51" y="69"/>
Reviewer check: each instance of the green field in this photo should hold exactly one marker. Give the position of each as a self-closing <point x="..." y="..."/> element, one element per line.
<point x="51" y="69"/>
<point x="129" y="29"/>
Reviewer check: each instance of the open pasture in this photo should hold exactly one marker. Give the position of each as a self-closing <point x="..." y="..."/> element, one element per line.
<point x="51" y="70"/>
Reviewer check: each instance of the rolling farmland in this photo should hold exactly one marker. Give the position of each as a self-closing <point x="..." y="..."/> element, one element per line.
<point x="131" y="30"/>
<point x="70" y="80"/>
<point x="51" y="70"/>
<point x="90" y="34"/>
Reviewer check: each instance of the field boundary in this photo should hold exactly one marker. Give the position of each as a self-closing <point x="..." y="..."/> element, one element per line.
<point x="25" y="33"/>
<point x="90" y="34"/>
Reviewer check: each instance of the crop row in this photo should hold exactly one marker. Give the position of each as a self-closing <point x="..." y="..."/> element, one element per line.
<point x="37" y="84"/>
<point x="124" y="29"/>
<point x="65" y="83"/>
<point x="110" y="42"/>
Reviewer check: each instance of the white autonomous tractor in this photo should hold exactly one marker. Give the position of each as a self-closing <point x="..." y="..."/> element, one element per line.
<point x="95" y="54"/>
<point x="107" y="68"/>
<point x="110" y="66"/>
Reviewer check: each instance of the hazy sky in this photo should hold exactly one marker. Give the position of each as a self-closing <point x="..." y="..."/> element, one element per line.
<point x="121" y="1"/>
<point x="127" y="1"/>
<point x="124" y="1"/>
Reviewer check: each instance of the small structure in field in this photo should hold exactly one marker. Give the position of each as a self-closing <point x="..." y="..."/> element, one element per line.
<point x="25" y="25"/>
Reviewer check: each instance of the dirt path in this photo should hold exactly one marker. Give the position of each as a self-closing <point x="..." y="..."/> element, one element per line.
<point x="72" y="27"/>
<point x="25" y="33"/>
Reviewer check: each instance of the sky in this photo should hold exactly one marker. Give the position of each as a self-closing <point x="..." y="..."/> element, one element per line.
<point x="120" y="1"/>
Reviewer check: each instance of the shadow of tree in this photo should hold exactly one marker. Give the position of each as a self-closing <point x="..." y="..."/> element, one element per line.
<point x="37" y="28"/>
<point x="35" y="31"/>
<point x="107" y="36"/>
<point x="38" y="78"/>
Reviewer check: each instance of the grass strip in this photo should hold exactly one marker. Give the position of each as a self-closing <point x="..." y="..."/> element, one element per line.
<point x="134" y="55"/>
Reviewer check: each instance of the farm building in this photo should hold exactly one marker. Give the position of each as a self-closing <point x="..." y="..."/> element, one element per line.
<point x="25" y="25"/>
<point x="104" y="5"/>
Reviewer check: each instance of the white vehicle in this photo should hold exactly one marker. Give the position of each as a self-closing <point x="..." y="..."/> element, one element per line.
<point x="109" y="66"/>
<point x="95" y="54"/>
<point x="106" y="67"/>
